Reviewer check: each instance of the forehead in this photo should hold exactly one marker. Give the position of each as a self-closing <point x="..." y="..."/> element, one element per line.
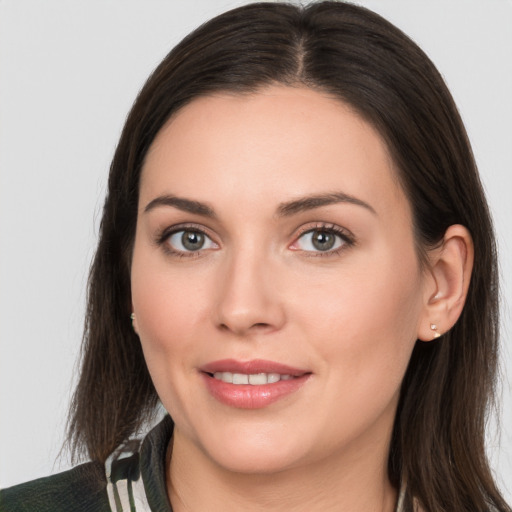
<point x="273" y="145"/>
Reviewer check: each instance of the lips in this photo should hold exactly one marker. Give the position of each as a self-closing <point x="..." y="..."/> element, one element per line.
<point x="251" y="384"/>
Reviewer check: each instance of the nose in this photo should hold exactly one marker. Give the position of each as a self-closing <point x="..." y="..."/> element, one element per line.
<point x="249" y="300"/>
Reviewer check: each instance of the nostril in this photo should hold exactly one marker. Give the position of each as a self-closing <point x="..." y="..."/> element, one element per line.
<point x="259" y="326"/>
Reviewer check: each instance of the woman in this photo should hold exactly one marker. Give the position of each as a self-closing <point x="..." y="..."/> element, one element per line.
<point x="296" y="228"/>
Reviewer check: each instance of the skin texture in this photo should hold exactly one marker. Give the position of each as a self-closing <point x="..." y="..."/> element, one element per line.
<point x="260" y="290"/>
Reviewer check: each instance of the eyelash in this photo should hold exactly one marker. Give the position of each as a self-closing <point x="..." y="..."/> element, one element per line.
<point x="346" y="236"/>
<point x="348" y="240"/>
<point x="163" y="237"/>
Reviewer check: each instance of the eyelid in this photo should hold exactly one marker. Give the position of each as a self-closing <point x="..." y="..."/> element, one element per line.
<point x="325" y="226"/>
<point x="164" y="233"/>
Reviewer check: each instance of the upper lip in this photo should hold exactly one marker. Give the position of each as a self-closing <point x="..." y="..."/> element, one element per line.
<point x="252" y="367"/>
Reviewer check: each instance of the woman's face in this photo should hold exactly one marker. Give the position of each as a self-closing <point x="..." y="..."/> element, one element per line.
<point x="274" y="248"/>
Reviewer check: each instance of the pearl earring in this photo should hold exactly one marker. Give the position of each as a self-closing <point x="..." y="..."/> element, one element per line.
<point x="434" y="328"/>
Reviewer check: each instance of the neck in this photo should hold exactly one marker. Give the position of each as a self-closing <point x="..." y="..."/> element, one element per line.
<point x="348" y="482"/>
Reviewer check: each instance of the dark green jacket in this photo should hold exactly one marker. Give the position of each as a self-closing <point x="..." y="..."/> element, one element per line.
<point x="86" y="488"/>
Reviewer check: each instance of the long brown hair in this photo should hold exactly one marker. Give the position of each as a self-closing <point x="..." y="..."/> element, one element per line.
<point x="355" y="55"/>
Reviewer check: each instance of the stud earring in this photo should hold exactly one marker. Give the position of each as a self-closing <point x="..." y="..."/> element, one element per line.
<point x="132" y="317"/>
<point x="434" y="328"/>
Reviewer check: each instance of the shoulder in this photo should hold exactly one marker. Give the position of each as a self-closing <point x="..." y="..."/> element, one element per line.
<point x="132" y="478"/>
<point x="81" y="489"/>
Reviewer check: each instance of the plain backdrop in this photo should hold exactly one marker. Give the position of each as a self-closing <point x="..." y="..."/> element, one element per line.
<point x="69" y="72"/>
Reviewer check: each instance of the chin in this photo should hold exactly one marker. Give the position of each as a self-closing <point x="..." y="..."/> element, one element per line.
<point x="250" y="452"/>
<point x="256" y="462"/>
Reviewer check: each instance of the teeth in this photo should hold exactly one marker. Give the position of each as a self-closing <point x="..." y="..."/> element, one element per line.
<point x="258" y="379"/>
<point x="273" y="377"/>
<point x="224" y="376"/>
<point x="255" y="379"/>
<point x="240" y="378"/>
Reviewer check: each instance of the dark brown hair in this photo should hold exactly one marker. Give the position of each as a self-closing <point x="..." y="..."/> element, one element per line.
<point x="358" y="57"/>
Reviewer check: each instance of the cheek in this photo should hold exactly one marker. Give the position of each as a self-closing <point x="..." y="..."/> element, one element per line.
<point x="365" y="322"/>
<point x="165" y="296"/>
<point x="168" y="328"/>
<point x="166" y="312"/>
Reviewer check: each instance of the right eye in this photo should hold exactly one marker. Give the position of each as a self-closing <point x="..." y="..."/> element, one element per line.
<point x="190" y="240"/>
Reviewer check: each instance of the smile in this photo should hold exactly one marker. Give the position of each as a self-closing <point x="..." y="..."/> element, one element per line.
<point x="252" y="384"/>
<point x="254" y="379"/>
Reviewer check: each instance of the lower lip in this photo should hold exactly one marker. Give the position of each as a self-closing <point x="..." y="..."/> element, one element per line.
<point x="246" y="396"/>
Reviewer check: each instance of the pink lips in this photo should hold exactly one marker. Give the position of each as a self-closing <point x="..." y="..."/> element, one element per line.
<point x="248" y="396"/>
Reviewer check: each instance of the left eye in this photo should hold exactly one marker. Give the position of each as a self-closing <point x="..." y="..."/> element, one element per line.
<point x="319" y="240"/>
<point x="190" y="241"/>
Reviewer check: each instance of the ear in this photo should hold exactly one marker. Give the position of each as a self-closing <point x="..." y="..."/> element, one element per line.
<point x="447" y="283"/>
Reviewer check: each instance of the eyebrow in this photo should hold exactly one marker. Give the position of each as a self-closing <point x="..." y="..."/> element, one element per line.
<point x="316" y="201"/>
<point x="286" y="209"/>
<point x="186" y="205"/>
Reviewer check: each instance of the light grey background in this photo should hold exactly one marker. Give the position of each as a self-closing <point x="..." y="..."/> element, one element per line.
<point x="69" y="71"/>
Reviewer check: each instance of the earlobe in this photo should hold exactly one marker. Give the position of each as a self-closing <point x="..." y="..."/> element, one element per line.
<point x="448" y="282"/>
